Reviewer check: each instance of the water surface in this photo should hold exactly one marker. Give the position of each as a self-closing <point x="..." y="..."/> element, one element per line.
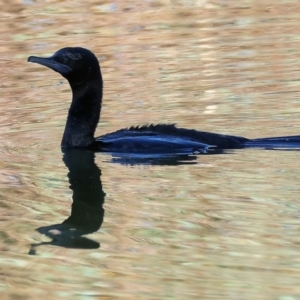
<point x="226" y="227"/>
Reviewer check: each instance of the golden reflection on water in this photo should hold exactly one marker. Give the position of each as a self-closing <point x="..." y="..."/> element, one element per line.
<point x="224" y="228"/>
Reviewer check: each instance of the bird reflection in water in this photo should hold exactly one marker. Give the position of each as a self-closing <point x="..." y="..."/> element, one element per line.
<point x="88" y="197"/>
<point x="87" y="208"/>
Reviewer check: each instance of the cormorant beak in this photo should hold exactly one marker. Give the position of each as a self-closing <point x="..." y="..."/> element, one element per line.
<point x="50" y="63"/>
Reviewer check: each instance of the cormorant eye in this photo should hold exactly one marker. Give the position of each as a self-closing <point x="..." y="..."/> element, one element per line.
<point x="65" y="60"/>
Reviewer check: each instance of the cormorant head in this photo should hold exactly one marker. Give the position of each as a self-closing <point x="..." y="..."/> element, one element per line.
<point x="76" y="64"/>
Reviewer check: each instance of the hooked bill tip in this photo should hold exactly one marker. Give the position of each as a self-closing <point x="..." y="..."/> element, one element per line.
<point x="31" y="59"/>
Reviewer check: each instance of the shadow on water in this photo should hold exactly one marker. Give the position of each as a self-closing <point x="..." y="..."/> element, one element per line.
<point x="87" y="209"/>
<point x="174" y="159"/>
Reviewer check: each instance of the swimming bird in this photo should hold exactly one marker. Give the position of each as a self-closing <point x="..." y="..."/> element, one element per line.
<point x="82" y="70"/>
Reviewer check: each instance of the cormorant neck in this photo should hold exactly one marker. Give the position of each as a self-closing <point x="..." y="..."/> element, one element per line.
<point x="84" y="113"/>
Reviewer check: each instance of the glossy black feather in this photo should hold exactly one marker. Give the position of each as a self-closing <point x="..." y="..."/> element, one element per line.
<point x="81" y="68"/>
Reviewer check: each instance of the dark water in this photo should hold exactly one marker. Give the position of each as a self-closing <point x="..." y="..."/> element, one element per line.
<point x="220" y="227"/>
